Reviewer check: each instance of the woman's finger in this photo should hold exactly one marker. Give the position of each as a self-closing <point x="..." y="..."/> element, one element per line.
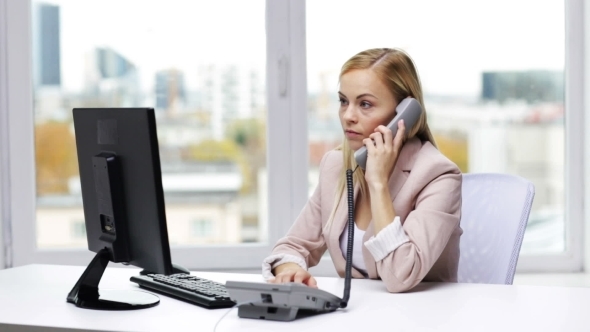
<point x="398" y="140"/>
<point x="285" y="277"/>
<point x="387" y="135"/>
<point x="369" y="144"/>
<point x="377" y="138"/>
<point x="300" y="276"/>
<point x="311" y="282"/>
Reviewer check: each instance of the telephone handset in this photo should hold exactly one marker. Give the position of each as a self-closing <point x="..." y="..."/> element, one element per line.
<point x="409" y="110"/>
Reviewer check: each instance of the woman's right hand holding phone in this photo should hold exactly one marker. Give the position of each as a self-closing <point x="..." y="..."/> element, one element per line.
<point x="291" y="272"/>
<point x="382" y="152"/>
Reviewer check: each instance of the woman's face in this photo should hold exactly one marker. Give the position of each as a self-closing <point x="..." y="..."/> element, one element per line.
<point x="365" y="103"/>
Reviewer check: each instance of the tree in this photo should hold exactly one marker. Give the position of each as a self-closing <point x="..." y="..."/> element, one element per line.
<point x="56" y="159"/>
<point x="245" y="144"/>
<point x="249" y="133"/>
<point x="226" y="150"/>
<point x="455" y="148"/>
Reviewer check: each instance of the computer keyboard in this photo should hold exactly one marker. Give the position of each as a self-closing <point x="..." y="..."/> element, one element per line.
<point x="203" y="292"/>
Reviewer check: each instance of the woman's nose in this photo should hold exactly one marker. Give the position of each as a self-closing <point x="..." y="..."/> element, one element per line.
<point x="350" y="114"/>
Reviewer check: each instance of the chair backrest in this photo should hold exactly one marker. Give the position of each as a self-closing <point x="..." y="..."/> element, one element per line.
<point x="494" y="214"/>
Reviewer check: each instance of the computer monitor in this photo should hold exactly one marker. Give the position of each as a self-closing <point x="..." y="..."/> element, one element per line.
<point x="123" y="199"/>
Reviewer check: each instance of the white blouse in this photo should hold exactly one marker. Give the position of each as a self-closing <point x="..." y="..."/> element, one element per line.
<point x="358" y="261"/>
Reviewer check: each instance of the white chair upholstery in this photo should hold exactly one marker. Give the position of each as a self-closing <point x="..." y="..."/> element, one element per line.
<point x="494" y="214"/>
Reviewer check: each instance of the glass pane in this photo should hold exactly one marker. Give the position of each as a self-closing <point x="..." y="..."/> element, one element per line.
<point x="208" y="91"/>
<point x="493" y="79"/>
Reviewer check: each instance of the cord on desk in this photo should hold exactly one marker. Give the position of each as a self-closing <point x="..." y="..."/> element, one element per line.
<point x="227" y="312"/>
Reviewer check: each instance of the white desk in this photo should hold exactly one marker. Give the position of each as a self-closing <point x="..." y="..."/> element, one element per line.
<point x="33" y="298"/>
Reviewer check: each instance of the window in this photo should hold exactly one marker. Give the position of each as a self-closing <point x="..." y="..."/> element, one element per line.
<point x="210" y="102"/>
<point x="494" y="92"/>
<point x="202" y="228"/>
<point x="213" y="108"/>
<point x="78" y="229"/>
<point x="473" y="49"/>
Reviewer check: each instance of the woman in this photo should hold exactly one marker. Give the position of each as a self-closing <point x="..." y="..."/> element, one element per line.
<point x="407" y="200"/>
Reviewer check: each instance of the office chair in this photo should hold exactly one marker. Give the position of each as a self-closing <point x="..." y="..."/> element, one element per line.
<point x="494" y="214"/>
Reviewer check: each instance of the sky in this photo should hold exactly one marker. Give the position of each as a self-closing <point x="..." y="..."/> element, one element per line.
<point x="451" y="41"/>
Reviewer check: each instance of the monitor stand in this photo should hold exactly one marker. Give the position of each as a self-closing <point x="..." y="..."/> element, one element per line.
<point x="85" y="293"/>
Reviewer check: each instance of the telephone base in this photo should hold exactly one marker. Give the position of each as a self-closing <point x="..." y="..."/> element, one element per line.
<point x="269" y="313"/>
<point x="281" y="302"/>
<point x="251" y="310"/>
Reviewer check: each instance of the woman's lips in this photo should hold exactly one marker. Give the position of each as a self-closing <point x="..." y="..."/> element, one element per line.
<point x="352" y="134"/>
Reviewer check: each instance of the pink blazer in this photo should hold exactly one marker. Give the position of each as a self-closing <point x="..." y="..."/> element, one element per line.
<point x="425" y="188"/>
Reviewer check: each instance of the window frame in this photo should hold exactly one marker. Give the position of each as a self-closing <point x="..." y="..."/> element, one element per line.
<point x="285" y="162"/>
<point x="571" y="260"/>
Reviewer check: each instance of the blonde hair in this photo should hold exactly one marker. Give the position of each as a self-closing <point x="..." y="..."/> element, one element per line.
<point x="397" y="71"/>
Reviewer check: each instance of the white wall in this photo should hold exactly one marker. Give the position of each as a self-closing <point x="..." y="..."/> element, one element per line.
<point x="1" y="217"/>
<point x="3" y="117"/>
<point x="586" y="93"/>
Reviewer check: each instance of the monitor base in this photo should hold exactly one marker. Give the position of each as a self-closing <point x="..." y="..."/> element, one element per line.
<point x="86" y="294"/>
<point x="119" y="300"/>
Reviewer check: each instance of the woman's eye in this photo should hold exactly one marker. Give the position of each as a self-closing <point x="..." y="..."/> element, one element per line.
<point x="342" y="101"/>
<point x="365" y="104"/>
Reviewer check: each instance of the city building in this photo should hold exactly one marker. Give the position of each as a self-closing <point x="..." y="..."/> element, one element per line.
<point x="47" y="62"/>
<point x="230" y="92"/>
<point x="110" y="79"/>
<point x="202" y="207"/>
<point x="532" y="86"/>
<point x="46" y="45"/>
<point x="170" y="91"/>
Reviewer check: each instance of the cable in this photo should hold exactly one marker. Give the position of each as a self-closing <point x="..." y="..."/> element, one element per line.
<point x="227" y="312"/>
<point x="348" y="270"/>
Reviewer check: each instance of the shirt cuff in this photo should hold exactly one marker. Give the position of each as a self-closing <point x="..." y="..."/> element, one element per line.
<point x="273" y="261"/>
<point x="389" y="239"/>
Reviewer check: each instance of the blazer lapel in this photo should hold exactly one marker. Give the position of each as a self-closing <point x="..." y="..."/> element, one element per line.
<point x="404" y="164"/>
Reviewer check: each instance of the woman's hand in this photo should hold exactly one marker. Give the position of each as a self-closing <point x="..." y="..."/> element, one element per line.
<point x="382" y="153"/>
<point x="289" y="272"/>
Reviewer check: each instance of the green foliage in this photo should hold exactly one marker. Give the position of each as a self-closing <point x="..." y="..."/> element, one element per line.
<point x="244" y="144"/>
<point x="247" y="132"/>
<point x="226" y="150"/>
<point x="211" y="150"/>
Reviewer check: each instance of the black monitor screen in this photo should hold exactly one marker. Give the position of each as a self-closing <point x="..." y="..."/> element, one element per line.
<point x="121" y="182"/>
